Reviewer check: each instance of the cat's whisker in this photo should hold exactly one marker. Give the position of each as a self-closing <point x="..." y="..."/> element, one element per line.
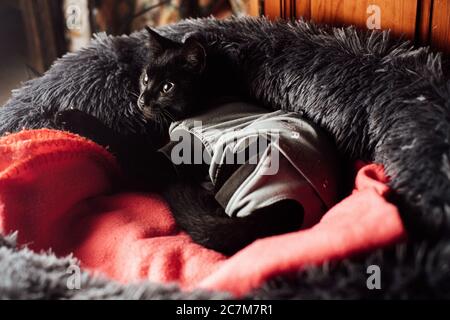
<point x="134" y="95"/>
<point x="168" y="114"/>
<point x="160" y="120"/>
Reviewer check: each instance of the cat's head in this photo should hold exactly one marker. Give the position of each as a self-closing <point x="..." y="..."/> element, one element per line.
<point x="170" y="82"/>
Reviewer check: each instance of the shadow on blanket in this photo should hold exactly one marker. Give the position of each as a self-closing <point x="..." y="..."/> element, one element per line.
<point x="57" y="191"/>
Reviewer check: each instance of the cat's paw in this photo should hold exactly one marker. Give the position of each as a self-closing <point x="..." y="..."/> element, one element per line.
<point x="85" y="125"/>
<point x="73" y="119"/>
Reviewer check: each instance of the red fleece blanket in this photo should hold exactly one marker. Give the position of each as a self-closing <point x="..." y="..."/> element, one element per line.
<point x="56" y="190"/>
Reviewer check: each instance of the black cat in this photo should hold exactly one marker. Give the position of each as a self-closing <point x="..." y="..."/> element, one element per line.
<point x="194" y="207"/>
<point x="380" y="99"/>
<point x="171" y="88"/>
<point x="166" y="88"/>
<point x="170" y="84"/>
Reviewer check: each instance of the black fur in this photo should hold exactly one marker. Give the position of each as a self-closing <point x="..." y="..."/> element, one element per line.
<point x="194" y="207"/>
<point x="182" y="66"/>
<point x="380" y="99"/>
<point x="170" y="82"/>
<point x="197" y="212"/>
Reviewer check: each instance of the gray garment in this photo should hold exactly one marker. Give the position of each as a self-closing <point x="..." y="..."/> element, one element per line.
<point x="273" y="156"/>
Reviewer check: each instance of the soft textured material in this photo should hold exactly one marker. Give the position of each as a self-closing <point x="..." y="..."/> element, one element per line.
<point x="256" y="158"/>
<point x="59" y="191"/>
<point x="382" y="100"/>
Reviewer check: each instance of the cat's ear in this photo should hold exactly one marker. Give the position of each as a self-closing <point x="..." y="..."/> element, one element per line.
<point x="156" y="42"/>
<point x="194" y="55"/>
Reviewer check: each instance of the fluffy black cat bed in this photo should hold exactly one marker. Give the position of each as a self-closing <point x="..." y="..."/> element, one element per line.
<point x="380" y="99"/>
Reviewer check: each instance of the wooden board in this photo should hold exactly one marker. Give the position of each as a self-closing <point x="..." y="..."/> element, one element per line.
<point x="253" y="8"/>
<point x="426" y="21"/>
<point x="398" y="15"/>
<point x="273" y="9"/>
<point x="303" y="9"/>
<point x="440" y="25"/>
<point x="44" y="27"/>
<point x="287" y="9"/>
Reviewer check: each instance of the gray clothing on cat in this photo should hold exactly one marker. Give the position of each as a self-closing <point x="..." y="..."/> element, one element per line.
<point x="256" y="158"/>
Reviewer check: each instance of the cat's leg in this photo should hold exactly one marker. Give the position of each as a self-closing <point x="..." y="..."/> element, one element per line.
<point x="87" y="126"/>
<point x="143" y="166"/>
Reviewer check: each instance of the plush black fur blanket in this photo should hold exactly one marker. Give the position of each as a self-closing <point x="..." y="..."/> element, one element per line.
<point x="380" y="99"/>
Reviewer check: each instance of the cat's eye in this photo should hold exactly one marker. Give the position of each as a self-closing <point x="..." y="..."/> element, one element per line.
<point x="145" y="79"/>
<point x="167" y="87"/>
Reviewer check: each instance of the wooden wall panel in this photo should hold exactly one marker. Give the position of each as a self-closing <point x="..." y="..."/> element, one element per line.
<point x="44" y="25"/>
<point x="426" y="21"/>
<point x="287" y="8"/>
<point x="440" y="25"/>
<point x="273" y="9"/>
<point x="253" y="8"/>
<point x="303" y="9"/>
<point x="398" y="15"/>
